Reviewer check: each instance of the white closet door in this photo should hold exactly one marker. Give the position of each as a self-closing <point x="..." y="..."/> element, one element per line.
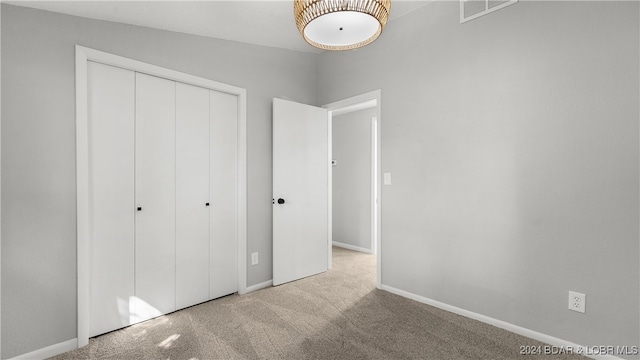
<point x="224" y="193"/>
<point x="192" y="195"/>
<point x="155" y="197"/>
<point x="111" y="112"/>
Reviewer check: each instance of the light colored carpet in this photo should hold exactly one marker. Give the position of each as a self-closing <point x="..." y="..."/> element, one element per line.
<point x="335" y="315"/>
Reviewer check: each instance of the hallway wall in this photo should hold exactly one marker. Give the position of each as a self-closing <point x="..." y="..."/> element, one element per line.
<point x="351" y="204"/>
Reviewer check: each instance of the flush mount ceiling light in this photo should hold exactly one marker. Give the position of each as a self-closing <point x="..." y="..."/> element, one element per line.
<point x="341" y="24"/>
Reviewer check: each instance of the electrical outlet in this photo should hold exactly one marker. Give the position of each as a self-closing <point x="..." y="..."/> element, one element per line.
<point x="254" y="258"/>
<point x="577" y="302"/>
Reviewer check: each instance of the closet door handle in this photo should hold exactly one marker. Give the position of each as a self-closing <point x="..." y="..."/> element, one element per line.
<point x="207" y="204"/>
<point x="139" y="208"/>
<point x="280" y="201"/>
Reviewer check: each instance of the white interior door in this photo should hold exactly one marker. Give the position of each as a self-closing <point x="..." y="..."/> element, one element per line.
<point x="192" y="195"/>
<point x="155" y="197"/>
<point x="224" y="194"/>
<point x="111" y="111"/>
<point x="300" y="182"/>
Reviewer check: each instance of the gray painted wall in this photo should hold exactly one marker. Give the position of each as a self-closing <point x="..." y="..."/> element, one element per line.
<point x="38" y="150"/>
<point x="514" y="148"/>
<point x="352" y="178"/>
<point x="512" y="139"/>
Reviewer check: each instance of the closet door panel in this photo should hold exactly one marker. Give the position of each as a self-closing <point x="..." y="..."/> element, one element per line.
<point x="155" y="197"/>
<point x="224" y="172"/>
<point x="111" y="110"/>
<point x="192" y="195"/>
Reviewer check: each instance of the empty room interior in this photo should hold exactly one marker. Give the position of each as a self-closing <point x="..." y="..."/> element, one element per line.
<point x="229" y="180"/>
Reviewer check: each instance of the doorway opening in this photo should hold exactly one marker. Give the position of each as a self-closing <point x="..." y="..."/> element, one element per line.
<point x="354" y="190"/>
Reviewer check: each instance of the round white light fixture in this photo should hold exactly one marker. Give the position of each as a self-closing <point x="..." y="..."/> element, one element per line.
<point x="341" y="24"/>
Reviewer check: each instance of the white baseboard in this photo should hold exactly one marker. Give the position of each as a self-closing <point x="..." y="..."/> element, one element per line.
<point x="502" y="324"/>
<point x="255" y="287"/>
<point x="50" y="351"/>
<point x="351" y="247"/>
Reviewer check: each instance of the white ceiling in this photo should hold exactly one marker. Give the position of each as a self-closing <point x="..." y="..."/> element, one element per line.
<point x="262" y="22"/>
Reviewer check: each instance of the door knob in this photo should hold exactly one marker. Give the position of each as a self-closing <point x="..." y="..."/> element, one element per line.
<point x="207" y="204"/>
<point x="281" y="201"/>
<point x="139" y="208"/>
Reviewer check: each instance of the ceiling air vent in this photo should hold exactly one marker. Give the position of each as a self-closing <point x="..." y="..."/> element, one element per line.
<point x="471" y="9"/>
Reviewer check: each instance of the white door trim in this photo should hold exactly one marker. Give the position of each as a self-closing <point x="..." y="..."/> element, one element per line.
<point x="355" y="103"/>
<point x="83" y="55"/>
<point x="329" y="191"/>
<point x="374" y="184"/>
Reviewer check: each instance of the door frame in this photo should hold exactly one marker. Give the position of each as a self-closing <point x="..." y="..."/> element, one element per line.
<point x="82" y="56"/>
<point x="368" y="100"/>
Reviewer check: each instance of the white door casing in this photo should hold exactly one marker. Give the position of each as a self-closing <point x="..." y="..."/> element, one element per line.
<point x="301" y="160"/>
<point x="355" y="103"/>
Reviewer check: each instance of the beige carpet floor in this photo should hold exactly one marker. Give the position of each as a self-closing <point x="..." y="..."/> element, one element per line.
<point x="335" y="315"/>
